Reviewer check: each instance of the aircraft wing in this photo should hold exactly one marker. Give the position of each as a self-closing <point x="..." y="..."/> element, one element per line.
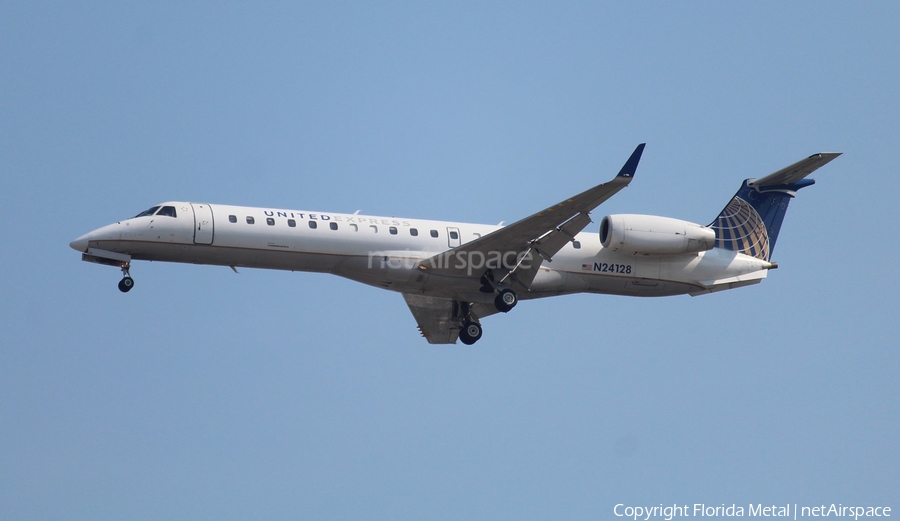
<point x="794" y="173"/>
<point x="538" y="237"/>
<point x="439" y="318"/>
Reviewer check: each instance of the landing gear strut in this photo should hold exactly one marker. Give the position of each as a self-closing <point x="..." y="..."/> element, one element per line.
<point x="127" y="282"/>
<point x="469" y="328"/>
<point x="506" y="298"/>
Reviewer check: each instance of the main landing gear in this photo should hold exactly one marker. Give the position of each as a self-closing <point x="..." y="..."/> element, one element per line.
<point x="470" y="330"/>
<point x="470" y="333"/>
<point x="506" y="300"/>
<point x="127" y="282"/>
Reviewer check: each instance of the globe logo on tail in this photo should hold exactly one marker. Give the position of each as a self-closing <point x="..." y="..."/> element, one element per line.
<point x="740" y="228"/>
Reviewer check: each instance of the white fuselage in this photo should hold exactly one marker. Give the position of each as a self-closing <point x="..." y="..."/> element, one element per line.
<point x="383" y="252"/>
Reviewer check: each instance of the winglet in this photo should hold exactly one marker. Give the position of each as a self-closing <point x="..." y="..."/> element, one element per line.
<point x="631" y="165"/>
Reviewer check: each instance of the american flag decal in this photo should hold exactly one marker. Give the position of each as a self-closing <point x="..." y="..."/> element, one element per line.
<point x="586" y="267"/>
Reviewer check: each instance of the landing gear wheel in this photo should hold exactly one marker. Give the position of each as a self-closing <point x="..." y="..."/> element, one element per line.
<point x="506" y="300"/>
<point x="470" y="333"/>
<point x="126" y="284"/>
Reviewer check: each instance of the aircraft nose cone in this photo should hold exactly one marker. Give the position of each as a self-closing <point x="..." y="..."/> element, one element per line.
<point x="80" y="244"/>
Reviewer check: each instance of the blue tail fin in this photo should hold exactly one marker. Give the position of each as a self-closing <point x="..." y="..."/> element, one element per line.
<point x="750" y="222"/>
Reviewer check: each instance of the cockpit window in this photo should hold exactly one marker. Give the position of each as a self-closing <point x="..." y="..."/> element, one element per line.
<point x="145" y="213"/>
<point x="168" y="211"/>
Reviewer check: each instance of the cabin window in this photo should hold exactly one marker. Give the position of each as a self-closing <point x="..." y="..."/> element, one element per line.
<point x="292" y="223"/>
<point x="333" y="226"/>
<point x="414" y="232"/>
<point x="354" y="227"/>
<point x="270" y="221"/>
<point x="434" y="233"/>
<point x="313" y="224"/>
<point x="373" y="228"/>
<point x="576" y="245"/>
<point x="145" y="213"/>
<point x="250" y="220"/>
<point x="167" y="211"/>
<point x="232" y="218"/>
<point x="393" y="230"/>
<point x="454" y="235"/>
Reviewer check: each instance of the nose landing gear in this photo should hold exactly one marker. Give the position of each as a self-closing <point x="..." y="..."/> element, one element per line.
<point x="127" y="282"/>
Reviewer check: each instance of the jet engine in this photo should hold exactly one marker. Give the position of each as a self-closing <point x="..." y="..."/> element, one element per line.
<point x="630" y="234"/>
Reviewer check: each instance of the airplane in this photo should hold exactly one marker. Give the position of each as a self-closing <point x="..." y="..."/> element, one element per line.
<point x="453" y="274"/>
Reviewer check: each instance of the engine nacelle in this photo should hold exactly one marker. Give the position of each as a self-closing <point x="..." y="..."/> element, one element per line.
<point x="630" y="234"/>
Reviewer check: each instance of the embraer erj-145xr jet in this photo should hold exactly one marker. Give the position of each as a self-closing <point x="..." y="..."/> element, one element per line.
<point x="454" y="274"/>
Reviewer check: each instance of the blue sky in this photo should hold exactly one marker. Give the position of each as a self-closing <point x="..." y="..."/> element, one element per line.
<point x="207" y="395"/>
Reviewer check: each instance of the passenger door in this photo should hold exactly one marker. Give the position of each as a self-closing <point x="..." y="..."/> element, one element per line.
<point x="203" y="224"/>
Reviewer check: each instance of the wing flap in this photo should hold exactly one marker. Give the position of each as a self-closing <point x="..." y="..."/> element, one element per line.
<point x="438" y="318"/>
<point x="435" y="318"/>
<point x="546" y="247"/>
<point x="551" y="243"/>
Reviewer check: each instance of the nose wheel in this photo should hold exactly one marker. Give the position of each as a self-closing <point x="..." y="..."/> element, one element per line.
<point x="127" y="282"/>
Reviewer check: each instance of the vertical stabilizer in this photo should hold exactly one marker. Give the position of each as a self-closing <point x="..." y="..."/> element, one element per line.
<point x="751" y="221"/>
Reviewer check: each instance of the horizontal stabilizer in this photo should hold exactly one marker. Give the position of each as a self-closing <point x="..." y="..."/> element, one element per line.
<point x="794" y="173"/>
